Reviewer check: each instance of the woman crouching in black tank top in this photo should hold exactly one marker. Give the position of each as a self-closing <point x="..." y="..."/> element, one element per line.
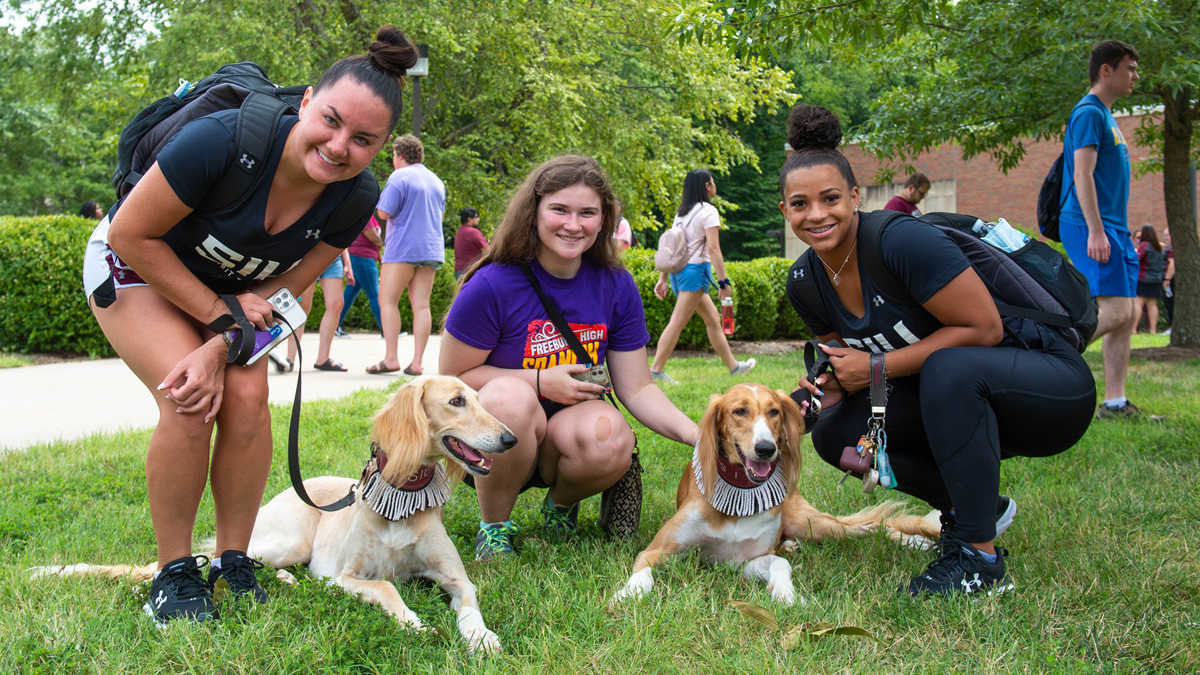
<point x="963" y="395"/>
<point x="166" y="257"/>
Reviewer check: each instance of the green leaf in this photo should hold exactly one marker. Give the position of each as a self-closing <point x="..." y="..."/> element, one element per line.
<point x="815" y="631"/>
<point x="757" y="612"/>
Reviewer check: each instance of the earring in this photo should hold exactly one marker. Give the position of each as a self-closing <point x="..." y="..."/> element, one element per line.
<point x="856" y="208"/>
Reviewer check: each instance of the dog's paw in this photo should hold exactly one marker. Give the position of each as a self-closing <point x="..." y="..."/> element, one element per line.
<point x="286" y="577"/>
<point x="484" y="642"/>
<point x="784" y="594"/>
<point x="637" y="587"/>
<point x="916" y="541"/>
<point x="411" y="621"/>
<point x="789" y="546"/>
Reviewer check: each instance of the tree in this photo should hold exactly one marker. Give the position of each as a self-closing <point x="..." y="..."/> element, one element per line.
<point x="512" y="83"/>
<point x="993" y="74"/>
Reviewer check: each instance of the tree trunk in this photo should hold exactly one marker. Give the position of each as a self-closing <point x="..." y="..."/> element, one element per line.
<point x="1178" y="118"/>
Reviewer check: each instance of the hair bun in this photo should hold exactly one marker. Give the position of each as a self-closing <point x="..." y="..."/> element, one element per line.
<point x="811" y="126"/>
<point x="391" y="52"/>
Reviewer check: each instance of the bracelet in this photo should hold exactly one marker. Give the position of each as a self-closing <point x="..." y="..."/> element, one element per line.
<point x="539" y="381"/>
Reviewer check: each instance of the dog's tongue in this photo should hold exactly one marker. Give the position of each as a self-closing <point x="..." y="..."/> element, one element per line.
<point x="759" y="469"/>
<point x="467" y="451"/>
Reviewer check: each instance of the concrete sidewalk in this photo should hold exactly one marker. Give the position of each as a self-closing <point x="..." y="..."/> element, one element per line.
<point x="66" y="401"/>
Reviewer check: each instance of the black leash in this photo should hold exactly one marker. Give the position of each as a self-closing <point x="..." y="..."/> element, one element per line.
<point x="237" y="316"/>
<point x="817" y="363"/>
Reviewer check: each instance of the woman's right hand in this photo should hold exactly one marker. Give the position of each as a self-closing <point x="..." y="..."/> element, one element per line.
<point x="258" y="311"/>
<point x="826" y="388"/>
<point x="557" y="385"/>
<point x="661" y="288"/>
<point x="197" y="382"/>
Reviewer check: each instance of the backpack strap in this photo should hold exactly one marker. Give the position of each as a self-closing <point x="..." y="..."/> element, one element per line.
<point x="258" y="118"/>
<point x="1062" y="158"/>
<point x="802" y="286"/>
<point x="870" y="238"/>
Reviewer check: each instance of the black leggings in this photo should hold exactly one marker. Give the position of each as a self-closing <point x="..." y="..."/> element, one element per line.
<point x="949" y="427"/>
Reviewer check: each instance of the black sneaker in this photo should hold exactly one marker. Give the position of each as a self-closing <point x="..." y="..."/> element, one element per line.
<point x="180" y="591"/>
<point x="236" y="574"/>
<point x="960" y="568"/>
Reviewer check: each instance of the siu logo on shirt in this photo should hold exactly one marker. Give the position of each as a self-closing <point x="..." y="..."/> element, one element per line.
<point x="232" y="262"/>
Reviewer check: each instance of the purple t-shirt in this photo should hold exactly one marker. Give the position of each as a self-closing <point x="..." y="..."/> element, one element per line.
<point x="498" y="310"/>
<point x="415" y="197"/>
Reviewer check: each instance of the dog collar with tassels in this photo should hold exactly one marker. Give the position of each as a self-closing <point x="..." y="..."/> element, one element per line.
<point x="425" y="489"/>
<point x="734" y="494"/>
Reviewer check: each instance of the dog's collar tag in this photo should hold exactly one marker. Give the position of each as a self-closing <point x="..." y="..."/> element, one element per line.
<point x="735" y="500"/>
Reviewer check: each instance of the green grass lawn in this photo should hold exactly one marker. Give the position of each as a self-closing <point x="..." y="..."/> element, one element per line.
<point x="1104" y="555"/>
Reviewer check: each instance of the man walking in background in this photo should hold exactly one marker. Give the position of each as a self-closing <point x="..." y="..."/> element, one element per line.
<point x="1094" y="223"/>
<point x="915" y="189"/>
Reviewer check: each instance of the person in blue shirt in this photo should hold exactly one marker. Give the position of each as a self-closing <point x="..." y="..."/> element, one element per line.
<point x="1094" y="223"/>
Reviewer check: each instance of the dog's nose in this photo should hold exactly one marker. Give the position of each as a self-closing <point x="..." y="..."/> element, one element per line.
<point x="508" y="440"/>
<point x="764" y="449"/>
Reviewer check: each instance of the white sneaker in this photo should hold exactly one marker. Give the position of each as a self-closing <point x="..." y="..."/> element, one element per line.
<point x="743" y="367"/>
<point x="1007" y="507"/>
<point x="662" y="377"/>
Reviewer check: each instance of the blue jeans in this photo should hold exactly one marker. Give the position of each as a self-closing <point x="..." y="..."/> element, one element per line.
<point x="366" y="279"/>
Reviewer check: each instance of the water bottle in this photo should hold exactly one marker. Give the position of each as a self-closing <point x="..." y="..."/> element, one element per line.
<point x="727" y="316"/>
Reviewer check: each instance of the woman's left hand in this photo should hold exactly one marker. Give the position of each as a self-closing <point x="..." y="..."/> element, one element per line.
<point x="851" y="366"/>
<point x="197" y="382"/>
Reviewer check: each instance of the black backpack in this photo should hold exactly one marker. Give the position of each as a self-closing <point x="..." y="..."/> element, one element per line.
<point x="1035" y="282"/>
<point x="261" y="103"/>
<point x="1050" y="197"/>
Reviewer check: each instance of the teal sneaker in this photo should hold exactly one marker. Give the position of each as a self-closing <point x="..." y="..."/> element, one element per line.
<point x="561" y="522"/>
<point x="494" y="540"/>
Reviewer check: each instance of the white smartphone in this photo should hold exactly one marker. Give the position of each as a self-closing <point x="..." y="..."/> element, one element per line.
<point x="265" y="340"/>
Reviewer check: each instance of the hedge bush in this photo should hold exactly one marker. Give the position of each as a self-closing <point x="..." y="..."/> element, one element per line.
<point x="42" y="307"/>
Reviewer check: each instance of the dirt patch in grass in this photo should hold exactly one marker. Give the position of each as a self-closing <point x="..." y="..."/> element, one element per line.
<point x="43" y="358"/>
<point x="1166" y="353"/>
<point x="740" y="348"/>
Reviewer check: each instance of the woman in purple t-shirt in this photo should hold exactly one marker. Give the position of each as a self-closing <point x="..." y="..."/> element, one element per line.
<point x="500" y="340"/>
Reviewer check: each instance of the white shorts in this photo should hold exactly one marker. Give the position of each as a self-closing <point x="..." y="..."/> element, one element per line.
<point x="103" y="271"/>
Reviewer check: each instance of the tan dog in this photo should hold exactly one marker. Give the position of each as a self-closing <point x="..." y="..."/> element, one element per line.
<point x="428" y="421"/>
<point x="737" y="498"/>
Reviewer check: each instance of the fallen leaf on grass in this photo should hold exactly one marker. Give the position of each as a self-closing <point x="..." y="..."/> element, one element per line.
<point x="815" y="631"/>
<point x="757" y="612"/>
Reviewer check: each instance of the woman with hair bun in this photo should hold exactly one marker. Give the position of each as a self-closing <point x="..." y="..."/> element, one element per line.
<point x="500" y="339"/>
<point x="965" y="387"/>
<point x="153" y="271"/>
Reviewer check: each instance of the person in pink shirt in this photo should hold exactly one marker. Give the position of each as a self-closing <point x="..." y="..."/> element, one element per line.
<point x="364" y="262"/>
<point x="469" y="242"/>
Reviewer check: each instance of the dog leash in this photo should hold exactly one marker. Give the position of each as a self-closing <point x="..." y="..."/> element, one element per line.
<point x="237" y="316"/>
<point x="816" y="363"/>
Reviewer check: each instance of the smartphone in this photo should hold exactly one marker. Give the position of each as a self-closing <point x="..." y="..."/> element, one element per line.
<point x="266" y="340"/>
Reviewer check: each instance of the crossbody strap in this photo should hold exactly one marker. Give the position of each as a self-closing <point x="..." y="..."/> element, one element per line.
<point x="556" y="317"/>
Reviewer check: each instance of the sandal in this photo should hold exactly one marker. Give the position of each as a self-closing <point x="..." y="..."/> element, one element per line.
<point x="409" y="371"/>
<point x="380" y="369"/>
<point x="330" y="364"/>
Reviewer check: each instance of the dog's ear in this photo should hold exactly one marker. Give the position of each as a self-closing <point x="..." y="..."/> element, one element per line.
<point x="793" y="432"/>
<point x="710" y="441"/>
<point x="402" y="431"/>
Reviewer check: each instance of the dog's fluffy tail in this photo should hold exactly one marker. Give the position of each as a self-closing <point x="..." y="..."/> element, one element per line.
<point x="133" y="572"/>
